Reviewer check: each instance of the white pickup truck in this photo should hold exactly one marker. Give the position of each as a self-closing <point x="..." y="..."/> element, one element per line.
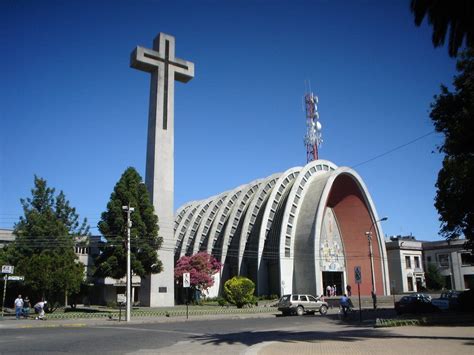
<point x="447" y="300"/>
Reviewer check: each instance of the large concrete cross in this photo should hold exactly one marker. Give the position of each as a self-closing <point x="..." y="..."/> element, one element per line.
<point x="165" y="68"/>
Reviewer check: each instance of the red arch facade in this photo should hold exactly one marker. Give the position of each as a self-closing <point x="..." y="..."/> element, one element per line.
<point x="353" y="216"/>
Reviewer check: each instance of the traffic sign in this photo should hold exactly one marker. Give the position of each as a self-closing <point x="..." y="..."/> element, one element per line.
<point x="14" y="278"/>
<point x="121" y="298"/>
<point x="186" y="279"/>
<point x="7" y="269"/>
<point x="358" y="274"/>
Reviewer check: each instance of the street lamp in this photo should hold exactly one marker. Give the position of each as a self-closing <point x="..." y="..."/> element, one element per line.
<point x="129" y="210"/>
<point x="372" y="272"/>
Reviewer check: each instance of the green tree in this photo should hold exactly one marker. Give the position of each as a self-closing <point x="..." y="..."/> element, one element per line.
<point x="144" y="239"/>
<point x="453" y="115"/>
<point x="239" y="291"/>
<point x="434" y="279"/>
<point x="43" y="250"/>
<point x="457" y="16"/>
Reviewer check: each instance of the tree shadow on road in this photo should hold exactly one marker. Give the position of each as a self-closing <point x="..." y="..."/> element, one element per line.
<point x="250" y="338"/>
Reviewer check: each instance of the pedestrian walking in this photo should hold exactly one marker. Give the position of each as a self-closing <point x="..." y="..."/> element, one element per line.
<point x="39" y="309"/>
<point x="335" y="290"/>
<point x="18" y="306"/>
<point x="345" y="304"/>
<point x="349" y="290"/>
<point x="26" y="307"/>
<point x="328" y="291"/>
<point x="374" y="299"/>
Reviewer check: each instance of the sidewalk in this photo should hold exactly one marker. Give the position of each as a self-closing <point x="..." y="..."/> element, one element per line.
<point x="402" y="340"/>
<point x="12" y="323"/>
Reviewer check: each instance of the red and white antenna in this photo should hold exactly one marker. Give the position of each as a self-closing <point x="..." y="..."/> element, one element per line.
<point x="313" y="138"/>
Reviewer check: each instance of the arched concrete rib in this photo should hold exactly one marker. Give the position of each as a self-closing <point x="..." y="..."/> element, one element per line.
<point x="259" y="199"/>
<point x="276" y="198"/>
<point x="238" y="211"/>
<point x="305" y="254"/>
<point x="373" y="215"/>
<point x="180" y="213"/>
<point x="206" y="222"/>
<point x="292" y="209"/>
<point x="215" y="235"/>
<point x="183" y="226"/>
<point x="193" y="225"/>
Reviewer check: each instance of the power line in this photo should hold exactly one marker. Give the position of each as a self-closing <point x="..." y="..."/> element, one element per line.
<point x="394" y="149"/>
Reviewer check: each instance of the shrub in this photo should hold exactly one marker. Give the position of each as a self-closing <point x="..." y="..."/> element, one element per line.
<point x="111" y="304"/>
<point x="239" y="291"/>
<point x="221" y="301"/>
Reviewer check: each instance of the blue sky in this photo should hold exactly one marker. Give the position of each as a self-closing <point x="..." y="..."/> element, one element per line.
<point x="74" y="113"/>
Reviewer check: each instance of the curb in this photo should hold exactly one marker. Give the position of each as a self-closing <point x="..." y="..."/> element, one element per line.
<point x="164" y="313"/>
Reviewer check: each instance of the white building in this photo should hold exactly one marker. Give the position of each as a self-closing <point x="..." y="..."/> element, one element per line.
<point x="454" y="262"/>
<point x="405" y="264"/>
<point x="6" y="237"/>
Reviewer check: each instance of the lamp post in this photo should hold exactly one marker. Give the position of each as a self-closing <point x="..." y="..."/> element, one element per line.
<point x="129" y="210"/>
<point x="371" y="255"/>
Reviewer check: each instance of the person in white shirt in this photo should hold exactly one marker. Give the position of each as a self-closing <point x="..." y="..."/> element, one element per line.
<point x="39" y="308"/>
<point x="18" y="306"/>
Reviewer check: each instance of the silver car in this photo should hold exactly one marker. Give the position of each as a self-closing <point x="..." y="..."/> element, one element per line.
<point x="300" y="304"/>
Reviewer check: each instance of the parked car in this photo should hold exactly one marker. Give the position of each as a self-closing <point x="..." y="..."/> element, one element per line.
<point x="300" y="304"/>
<point x="416" y="303"/>
<point x="447" y="300"/>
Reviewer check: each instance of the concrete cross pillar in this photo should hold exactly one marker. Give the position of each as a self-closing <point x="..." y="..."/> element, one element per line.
<point x="165" y="68"/>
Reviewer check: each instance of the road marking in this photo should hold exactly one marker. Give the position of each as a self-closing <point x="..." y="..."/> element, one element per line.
<point x="152" y="330"/>
<point x="67" y="325"/>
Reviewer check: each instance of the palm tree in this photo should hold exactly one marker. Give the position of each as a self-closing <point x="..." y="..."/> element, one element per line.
<point x="457" y="15"/>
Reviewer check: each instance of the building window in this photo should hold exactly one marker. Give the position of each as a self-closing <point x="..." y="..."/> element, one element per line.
<point x="469" y="281"/>
<point x="447" y="282"/>
<point x="443" y="260"/>
<point x="417" y="262"/>
<point x="428" y="259"/>
<point x="407" y="262"/>
<point x="410" y="283"/>
<point x="467" y="259"/>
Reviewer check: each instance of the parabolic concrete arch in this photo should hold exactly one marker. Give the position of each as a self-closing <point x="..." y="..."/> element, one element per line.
<point x="180" y="213"/>
<point x="234" y="228"/>
<point x="183" y="227"/>
<point x="295" y="217"/>
<point x="202" y="233"/>
<point x="253" y="217"/>
<point x="295" y="231"/>
<point x="268" y="279"/>
<point x="347" y="195"/>
<point x="189" y="236"/>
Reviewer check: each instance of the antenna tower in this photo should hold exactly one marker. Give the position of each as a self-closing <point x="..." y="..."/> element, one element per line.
<point x="313" y="138"/>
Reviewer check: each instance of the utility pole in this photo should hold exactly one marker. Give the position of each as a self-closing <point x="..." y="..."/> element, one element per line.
<point x="129" y="210"/>
<point x="371" y="255"/>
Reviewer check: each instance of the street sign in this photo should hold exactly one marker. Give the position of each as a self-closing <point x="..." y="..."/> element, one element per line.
<point x="358" y="274"/>
<point x="186" y="279"/>
<point x="7" y="269"/>
<point x="14" y="278"/>
<point x="121" y="298"/>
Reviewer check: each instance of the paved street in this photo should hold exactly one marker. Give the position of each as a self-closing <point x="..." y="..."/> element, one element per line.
<point x="264" y="334"/>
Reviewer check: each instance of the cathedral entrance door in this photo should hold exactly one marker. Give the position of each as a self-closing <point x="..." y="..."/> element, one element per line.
<point x="332" y="278"/>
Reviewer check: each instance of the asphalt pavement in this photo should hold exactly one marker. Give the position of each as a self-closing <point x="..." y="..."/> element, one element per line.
<point x="264" y="334"/>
